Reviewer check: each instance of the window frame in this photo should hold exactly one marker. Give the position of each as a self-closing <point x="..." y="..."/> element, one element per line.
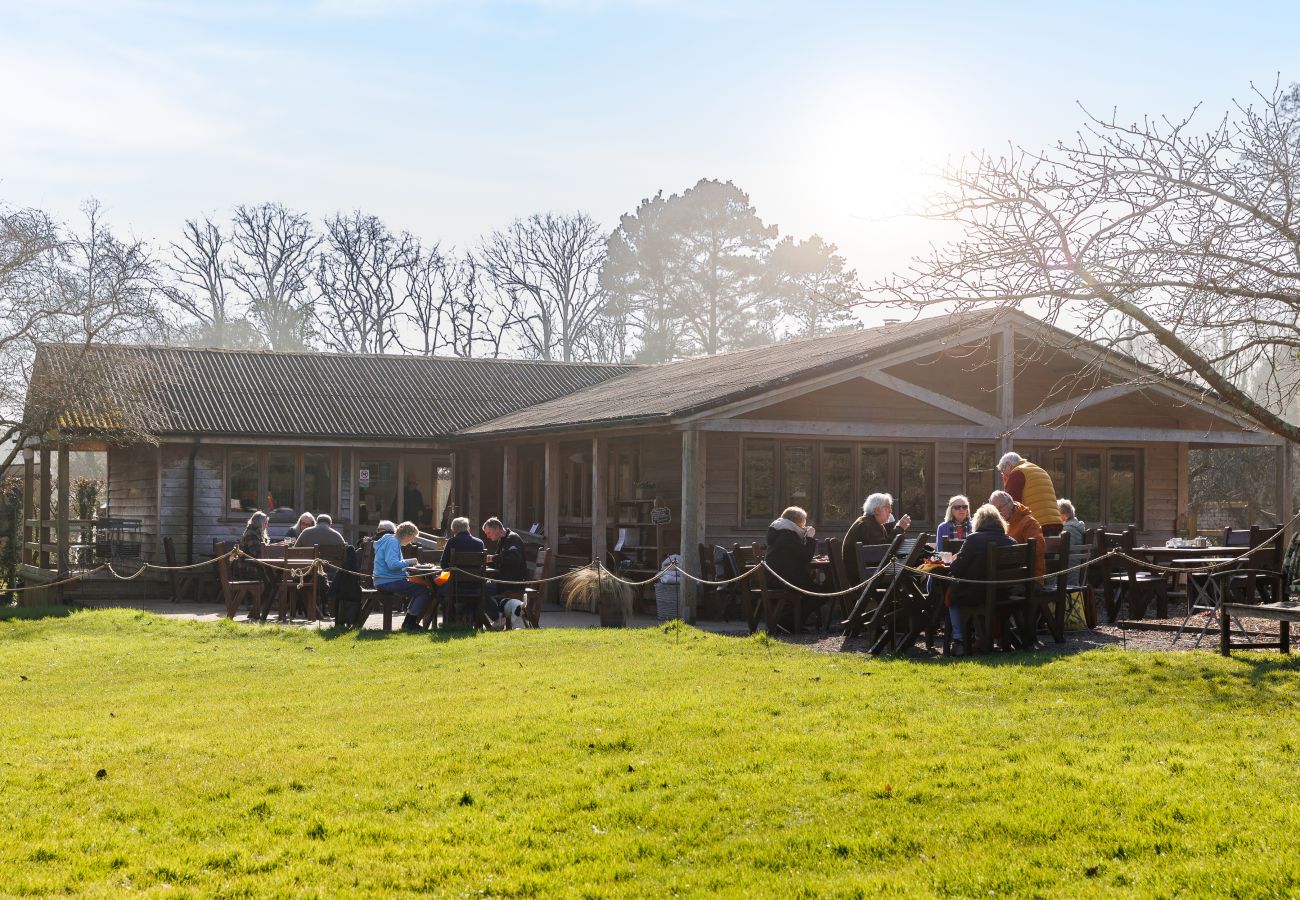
<point x="263" y="455"/>
<point x="819" y="448"/>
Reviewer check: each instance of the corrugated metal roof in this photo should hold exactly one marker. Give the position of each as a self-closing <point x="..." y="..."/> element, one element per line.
<point x="320" y="395"/>
<point x="692" y="385"/>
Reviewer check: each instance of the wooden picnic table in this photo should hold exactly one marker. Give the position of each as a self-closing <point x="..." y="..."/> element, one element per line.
<point x="290" y="582"/>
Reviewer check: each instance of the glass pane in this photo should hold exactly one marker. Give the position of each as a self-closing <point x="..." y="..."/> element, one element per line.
<point x="796" y="470"/>
<point x="981" y="474"/>
<point x="760" y="481"/>
<point x="377" y="490"/>
<point x="914" y="494"/>
<point x="279" y="487"/>
<point x="837" y="485"/>
<point x="317" y="496"/>
<point x="874" y="471"/>
<point x="1086" y="484"/>
<point x="1121" y="486"/>
<point x="1055" y="466"/>
<point x="242" y="481"/>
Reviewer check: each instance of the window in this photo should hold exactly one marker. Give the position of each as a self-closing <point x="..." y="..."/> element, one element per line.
<point x="285" y="480"/>
<point x="1121" y="488"/>
<point x="242" y="480"/>
<point x="831" y="480"/>
<point x="317" y="492"/>
<point x="1085" y="486"/>
<point x="981" y="473"/>
<point x="837" y="501"/>
<point x="279" y="482"/>
<point x="759" y="475"/>
<point x="797" y="476"/>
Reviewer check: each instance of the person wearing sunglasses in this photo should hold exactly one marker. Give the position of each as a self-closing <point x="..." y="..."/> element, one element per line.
<point x="956" y="524"/>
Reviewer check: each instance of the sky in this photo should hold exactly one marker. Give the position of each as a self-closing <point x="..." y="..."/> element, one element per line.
<point x="450" y="118"/>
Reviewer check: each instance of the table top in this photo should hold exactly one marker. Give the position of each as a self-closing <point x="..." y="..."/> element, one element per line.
<point x="1188" y="551"/>
<point x="1202" y="561"/>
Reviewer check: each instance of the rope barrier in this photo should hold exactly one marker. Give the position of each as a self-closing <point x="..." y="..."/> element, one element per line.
<point x="895" y="566"/>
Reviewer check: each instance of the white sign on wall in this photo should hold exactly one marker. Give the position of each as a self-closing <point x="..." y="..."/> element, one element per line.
<point x="364" y="477"/>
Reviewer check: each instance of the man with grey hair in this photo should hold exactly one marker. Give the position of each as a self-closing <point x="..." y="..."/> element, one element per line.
<point x="1030" y="485"/>
<point x="871" y="528"/>
<point x="1022" y="526"/>
<point x="322" y="534"/>
<point x="461" y="541"/>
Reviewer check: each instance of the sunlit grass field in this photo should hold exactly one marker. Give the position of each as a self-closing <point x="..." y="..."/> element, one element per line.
<point x="244" y="761"/>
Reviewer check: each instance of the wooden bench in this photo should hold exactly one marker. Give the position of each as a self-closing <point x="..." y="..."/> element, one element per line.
<point x="1284" y="613"/>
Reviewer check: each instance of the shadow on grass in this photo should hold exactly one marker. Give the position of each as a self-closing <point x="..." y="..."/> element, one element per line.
<point x="36" y="612"/>
<point x="437" y="636"/>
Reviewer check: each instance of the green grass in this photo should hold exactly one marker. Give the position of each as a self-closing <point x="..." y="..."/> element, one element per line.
<point x="246" y="761"/>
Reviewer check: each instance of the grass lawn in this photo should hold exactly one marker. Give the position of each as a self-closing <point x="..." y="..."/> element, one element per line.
<point x="247" y="761"/>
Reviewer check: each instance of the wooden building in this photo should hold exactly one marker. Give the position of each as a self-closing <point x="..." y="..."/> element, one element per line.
<point x="584" y="452"/>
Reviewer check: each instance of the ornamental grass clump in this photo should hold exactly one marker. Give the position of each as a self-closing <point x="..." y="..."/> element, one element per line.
<point x="595" y="590"/>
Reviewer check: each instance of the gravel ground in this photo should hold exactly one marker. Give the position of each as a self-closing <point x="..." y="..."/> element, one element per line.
<point x="1144" y="634"/>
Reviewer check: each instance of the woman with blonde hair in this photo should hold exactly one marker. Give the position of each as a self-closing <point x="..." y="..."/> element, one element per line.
<point x="956" y="523"/>
<point x="989" y="530"/>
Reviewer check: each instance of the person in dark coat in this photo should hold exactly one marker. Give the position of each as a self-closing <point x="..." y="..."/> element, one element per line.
<point x="972" y="562"/>
<point x="791" y="545"/>
<point x="510" y="560"/>
<point x="876" y="525"/>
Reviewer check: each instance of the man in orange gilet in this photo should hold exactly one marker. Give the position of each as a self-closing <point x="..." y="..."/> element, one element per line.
<point x="1032" y="487"/>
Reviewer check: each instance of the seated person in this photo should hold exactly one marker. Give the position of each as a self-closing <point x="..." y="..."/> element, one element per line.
<point x="511" y="563"/>
<point x="871" y="528"/>
<point x="791" y="545"/>
<point x="322" y="534"/>
<point x="956" y="524"/>
<point x="1022" y="527"/>
<point x="1078" y="532"/>
<point x="389" y="572"/>
<point x="253" y="541"/>
<point x="305" y="521"/>
<point x="972" y="562"/>
<point x="461" y="541"/>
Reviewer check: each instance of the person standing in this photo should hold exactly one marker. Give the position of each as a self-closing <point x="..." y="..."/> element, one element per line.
<point x="1031" y="486"/>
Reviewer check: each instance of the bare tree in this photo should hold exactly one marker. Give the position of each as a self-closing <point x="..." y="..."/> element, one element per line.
<point x="430" y="301"/>
<point x="480" y="322"/>
<point x="363" y="273"/>
<point x="275" y="251"/>
<point x="73" y="290"/>
<point x="1142" y="232"/>
<point x="551" y="265"/>
<point x="200" y="290"/>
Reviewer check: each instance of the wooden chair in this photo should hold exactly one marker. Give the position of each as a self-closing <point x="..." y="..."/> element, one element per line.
<point x="1053" y="596"/>
<point x="864" y="617"/>
<point x="464" y="590"/>
<point x="1014" y="562"/>
<point x="370" y="596"/>
<point x="236" y="592"/>
<point x="751" y="592"/>
<point x="334" y="555"/>
<point x="1124" y="580"/>
<point x="183" y="584"/>
<point x="905" y="599"/>
<point x="1263" y="582"/>
<point x="532" y="594"/>
<point x="292" y="590"/>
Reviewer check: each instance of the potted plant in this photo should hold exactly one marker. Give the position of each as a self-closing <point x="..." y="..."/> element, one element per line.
<point x="645" y="490"/>
<point x="599" y="592"/>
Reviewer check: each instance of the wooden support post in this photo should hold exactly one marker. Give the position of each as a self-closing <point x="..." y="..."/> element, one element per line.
<point x="510" y="486"/>
<point x="551" y="499"/>
<point x="1184" y="488"/>
<point x="599" y="497"/>
<point x="47" y="493"/>
<point x="63" y="537"/>
<point x="474" y="490"/>
<point x="1285" y="489"/>
<point x="693" y="514"/>
<point x="28" y="533"/>
<point x="1006" y="386"/>
<point x="551" y="511"/>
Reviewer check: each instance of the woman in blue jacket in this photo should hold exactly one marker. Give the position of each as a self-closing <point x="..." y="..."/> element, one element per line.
<point x="389" y="572"/>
